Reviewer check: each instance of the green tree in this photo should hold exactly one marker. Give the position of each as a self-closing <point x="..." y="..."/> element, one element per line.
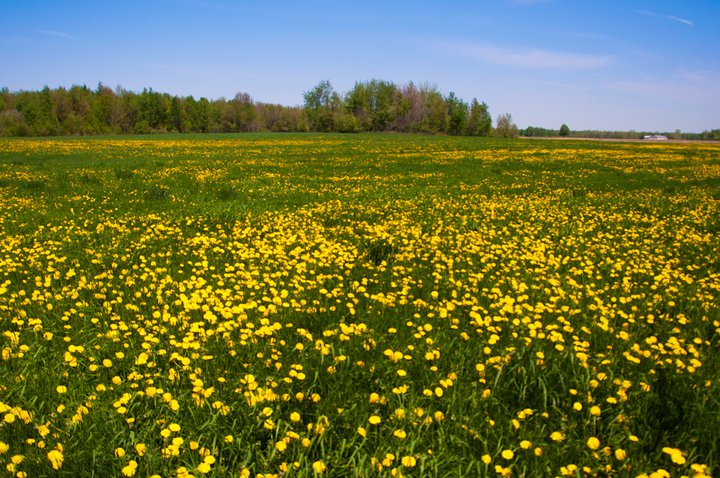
<point x="564" y="130"/>
<point x="177" y="117"/>
<point x="436" y="120"/>
<point x="199" y="114"/>
<point x="504" y="127"/>
<point x="457" y="114"/>
<point x="243" y="112"/>
<point x="321" y="102"/>
<point x="479" y="122"/>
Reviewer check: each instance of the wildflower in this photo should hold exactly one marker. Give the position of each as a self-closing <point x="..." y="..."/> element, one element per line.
<point x="56" y="459"/>
<point x="593" y="443"/>
<point x="319" y="467"/>
<point x="507" y="454"/>
<point x="675" y="455"/>
<point x="130" y="468"/>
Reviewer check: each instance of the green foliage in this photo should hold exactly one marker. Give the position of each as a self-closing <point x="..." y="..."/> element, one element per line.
<point x="536" y="131"/>
<point x="457" y="115"/>
<point x="504" y="127"/>
<point x="375" y="105"/>
<point x="564" y="130"/>
<point x="479" y="122"/>
<point x="321" y="103"/>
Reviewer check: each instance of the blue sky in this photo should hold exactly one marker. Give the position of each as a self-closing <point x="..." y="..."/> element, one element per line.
<point x="613" y="65"/>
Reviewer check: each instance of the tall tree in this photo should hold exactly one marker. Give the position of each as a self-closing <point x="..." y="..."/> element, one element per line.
<point x="321" y="102"/>
<point x="457" y="114"/>
<point x="504" y="127"/>
<point x="436" y="120"/>
<point x="480" y="121"/>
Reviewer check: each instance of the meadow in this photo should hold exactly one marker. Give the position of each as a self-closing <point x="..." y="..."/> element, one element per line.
<point x="304" y="305"/>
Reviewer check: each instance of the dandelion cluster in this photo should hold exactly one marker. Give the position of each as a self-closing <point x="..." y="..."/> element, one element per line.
<point x="305" y="305"/>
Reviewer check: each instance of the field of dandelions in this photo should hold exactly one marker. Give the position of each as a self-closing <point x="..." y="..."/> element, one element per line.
<point x="361" y="305"/>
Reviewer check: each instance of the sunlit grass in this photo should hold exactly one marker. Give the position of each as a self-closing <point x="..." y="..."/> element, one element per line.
<point x="360" y="305"/>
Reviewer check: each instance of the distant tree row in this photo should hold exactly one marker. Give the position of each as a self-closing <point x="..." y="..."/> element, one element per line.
<point x="374" y="105"/>
<point x="564" y="131"/>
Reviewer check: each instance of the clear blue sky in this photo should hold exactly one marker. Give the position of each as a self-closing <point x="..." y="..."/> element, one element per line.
<point x="611" y="64"/>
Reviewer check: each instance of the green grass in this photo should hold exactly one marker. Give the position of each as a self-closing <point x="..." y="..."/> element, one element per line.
<point x="476" y="294"/>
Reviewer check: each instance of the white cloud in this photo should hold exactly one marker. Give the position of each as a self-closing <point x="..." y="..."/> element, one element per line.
<point x="681" y="20"/>
<point x="694" y="86"/>
<point x="667" y="17"/>
<point x="527" y="58"/>
<point x="530" y="2"/>
<point x="55" y="33"/>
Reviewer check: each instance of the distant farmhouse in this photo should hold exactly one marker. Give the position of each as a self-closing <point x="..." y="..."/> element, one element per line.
<point x="655" y="137"/>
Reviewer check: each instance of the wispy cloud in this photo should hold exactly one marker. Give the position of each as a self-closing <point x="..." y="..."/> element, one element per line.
<point x="527" y="58"/>
<point x="701" y="87"/>
<point x="681" y="20"/>
<point x="55" y="33"/>
<point x="529" y="2"/>
<point x="667" y="17"/>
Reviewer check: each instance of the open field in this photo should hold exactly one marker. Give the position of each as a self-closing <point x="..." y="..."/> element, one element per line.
<point x="358" y="305"/>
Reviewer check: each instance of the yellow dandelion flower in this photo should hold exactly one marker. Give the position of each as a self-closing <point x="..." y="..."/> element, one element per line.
<point x="319" y="467"/>
<point x="593" y="443"/>
<point x="130" y="468"/>
<point x="56" y="459"/>
<point x="675" y="455"/>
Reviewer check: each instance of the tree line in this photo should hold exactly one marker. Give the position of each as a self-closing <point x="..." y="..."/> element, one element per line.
<point x="82" y="111"/>
<point x="538" y="132"/>
<point x="374" y="105"/>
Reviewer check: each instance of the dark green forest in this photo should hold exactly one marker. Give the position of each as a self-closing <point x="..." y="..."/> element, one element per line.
<point x="374" y="105"/>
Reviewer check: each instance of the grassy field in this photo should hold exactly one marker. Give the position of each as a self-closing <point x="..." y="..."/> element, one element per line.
<point x="358" y="305"/>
